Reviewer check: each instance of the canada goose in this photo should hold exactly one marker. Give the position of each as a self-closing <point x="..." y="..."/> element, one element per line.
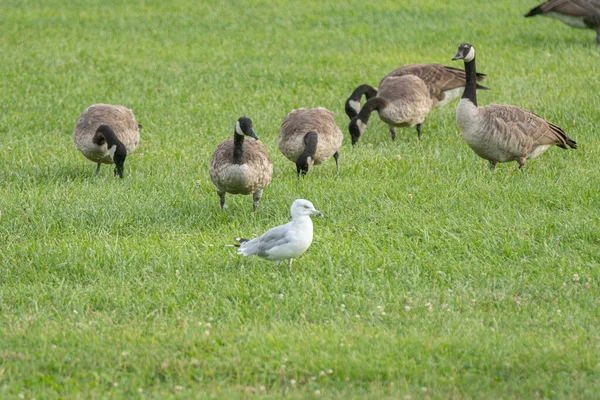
<point x="576" y="13"/>
<point x="444" y="84"/>
<point x="501" y="133"/>
<point x="106" y="134"/>
<point x="284" y="242"/>
<point x="310" y="137"/>
<point x="400" y="101"/>
<point x="241" y="167"/>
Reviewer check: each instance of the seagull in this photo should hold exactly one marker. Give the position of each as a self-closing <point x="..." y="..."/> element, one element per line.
<point x="284" y="242"/>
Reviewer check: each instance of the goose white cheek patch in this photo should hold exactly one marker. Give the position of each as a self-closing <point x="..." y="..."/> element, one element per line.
<point x="361" y="126"/>
<point x="238" y="128"/>
<point x="471" y="55"/>
<point x="112" y="150"/>
<point x="355" y="105"/>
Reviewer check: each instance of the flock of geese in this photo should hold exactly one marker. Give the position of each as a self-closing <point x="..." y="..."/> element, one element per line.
<point x="106" y="133"/>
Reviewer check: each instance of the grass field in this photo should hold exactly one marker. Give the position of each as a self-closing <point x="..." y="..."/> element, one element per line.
<point x="429" y="277"/>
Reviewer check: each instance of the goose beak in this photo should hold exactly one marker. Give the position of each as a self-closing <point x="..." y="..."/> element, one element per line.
<point x="252" y="134"/>
<point x="458" y="56"/>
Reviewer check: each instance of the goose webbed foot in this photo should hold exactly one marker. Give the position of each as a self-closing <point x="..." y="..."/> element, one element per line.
<point x="492" y="165"/>
<point x="222" y="201"/>
<point x="521" y="162"/>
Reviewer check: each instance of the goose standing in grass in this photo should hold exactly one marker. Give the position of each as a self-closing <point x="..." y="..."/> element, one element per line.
<point x="241" y="167"/>
<point x="284" y="242"/>
<point x="502" y="133"/>
<point x="576" y="13"/>
<point x="310" y="137"/>
<point x="443" y="84"/>
<point x="401" y="101"/>
<point x="106" y="134"/>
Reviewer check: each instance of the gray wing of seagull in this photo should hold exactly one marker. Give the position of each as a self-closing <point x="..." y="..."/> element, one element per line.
<point x="271" y="239"/>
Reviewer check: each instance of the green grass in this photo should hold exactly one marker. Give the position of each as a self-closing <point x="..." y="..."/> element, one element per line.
<point x="429" y="277"/>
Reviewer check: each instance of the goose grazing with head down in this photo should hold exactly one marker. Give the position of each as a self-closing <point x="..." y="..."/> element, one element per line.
<point x="106" y="134"/>
<point x="284" y="242"/>
<point x="241" y="167"/>
<point x="310" y="137"/>
<point x="502" y="133"/>
<point x="444" y="83"/>
<point x="576" y="13"/>
<point x="400" y="101"/>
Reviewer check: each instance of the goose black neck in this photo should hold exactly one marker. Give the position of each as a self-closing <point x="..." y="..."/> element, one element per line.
<point x="105" y="133"/>
<point x="310" y="141"/>
<point x="375" y="103"/>
<point x="367" y="90"/>
<point x="471" y="85"/>
<point x="238" y="148"/>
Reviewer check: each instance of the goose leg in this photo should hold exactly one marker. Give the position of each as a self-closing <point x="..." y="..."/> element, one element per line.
<point x="392" y="132"/>
<point x="222" y="200"/>
<point x="492" y="165"/>
<point x="290" y="263"/>
<point x="256" y="197"/>
<point x="98" y="168"/>
<point x="521" y="162"/>
<point x="598" y="36"/>
<point x="419" y="126"/>
<point x="336" y="155"/>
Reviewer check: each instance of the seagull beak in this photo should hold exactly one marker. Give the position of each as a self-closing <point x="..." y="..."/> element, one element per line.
<point x="317" y="213"/>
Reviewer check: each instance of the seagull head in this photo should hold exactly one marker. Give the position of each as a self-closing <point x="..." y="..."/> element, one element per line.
<point x="302" y="207"/>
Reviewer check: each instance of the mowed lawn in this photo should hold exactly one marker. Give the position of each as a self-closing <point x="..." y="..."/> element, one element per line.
<point x="430" y="276"/>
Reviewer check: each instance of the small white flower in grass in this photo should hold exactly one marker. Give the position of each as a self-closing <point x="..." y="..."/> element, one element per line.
<point x="558" y="311"/>
<point x="575" y="277"/>
<point x="206" y="333"/>
<point x="124" y="354"/>
<point x="179" y="388"/>
<point x="423" y="389"/>
<point x="140" y="390"/>
<point x="317" y="392"/>
<point x="330" y="371"/>
<point x="322" y="373"/>
<point x="53" y="347"/>
<point x="407" y="308"/>
<point x="407" y="397"/>
<point x="115" y="384"/>
<point x="281" y="296"/>
<point x="262" y="388"/>
<point x="357" y="316"/>
<point x="343" y="306"/>
<point x="75" y="312"/>
<point x="21" y="396"/>
<point x="208" y="325"/>
<point x="492" y="329"/>
<point x="564" y="285"/>
<point x="313" y="378"/>
<point x="293" y="382"/>
<point x="177" y="273"/>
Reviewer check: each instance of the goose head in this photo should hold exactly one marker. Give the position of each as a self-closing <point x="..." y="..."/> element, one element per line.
<point x="301" y="208"/>
<point x="465" y="52"/>
<point x="356" y="128"/>
<point x="243" y="126"/>
<point x="304" y="163"/>
<point x="116" y="149"/>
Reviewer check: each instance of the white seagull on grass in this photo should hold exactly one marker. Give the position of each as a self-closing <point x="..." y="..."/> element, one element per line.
<point x="284" y="242"/>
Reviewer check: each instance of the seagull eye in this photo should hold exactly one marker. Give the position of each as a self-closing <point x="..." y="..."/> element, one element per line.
<point x="305" y="206"/>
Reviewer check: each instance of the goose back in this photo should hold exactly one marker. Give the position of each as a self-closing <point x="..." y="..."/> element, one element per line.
<point x="298" y="123"/>
<point x="408" y="100"/>
<point x="118" y="117"/>
<point x="443" y="83"/>
<point x="502" y="133"/>
<point x="576" y="13"/>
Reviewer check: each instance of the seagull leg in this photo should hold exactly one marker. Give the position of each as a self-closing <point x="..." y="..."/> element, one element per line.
<point x="392" y="132"/>
<point x="492" y="165"/>
<point x="419" y="126"/>
<point x="290" y="263"/>
<point x="521" y="162"/>
<point x="256" y="197"/>
<point x="336" y="155"/>
<point x="98" y="168"/>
